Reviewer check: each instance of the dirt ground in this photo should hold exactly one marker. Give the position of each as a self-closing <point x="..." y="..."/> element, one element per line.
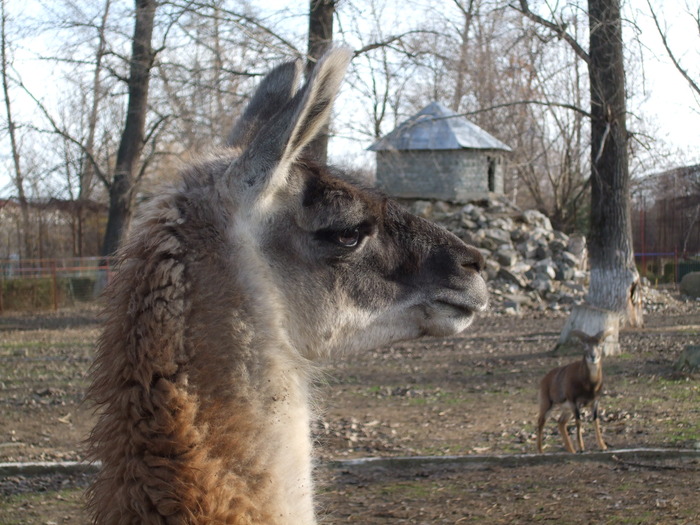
<point x="472" y="395"/>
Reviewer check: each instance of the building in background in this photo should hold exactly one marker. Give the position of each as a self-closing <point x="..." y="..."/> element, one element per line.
<point x="437" y="154"/>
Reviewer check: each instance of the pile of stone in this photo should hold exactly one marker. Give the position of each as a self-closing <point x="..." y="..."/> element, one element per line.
<point x="529" y="265"/>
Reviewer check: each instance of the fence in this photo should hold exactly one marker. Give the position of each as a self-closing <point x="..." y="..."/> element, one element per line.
<point x="666" y="267"/>
<point x="42" y="284"/>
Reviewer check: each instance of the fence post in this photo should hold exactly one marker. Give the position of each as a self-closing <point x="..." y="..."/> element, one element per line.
<point x="675" y="265"/>
<point x="55" y="284"/>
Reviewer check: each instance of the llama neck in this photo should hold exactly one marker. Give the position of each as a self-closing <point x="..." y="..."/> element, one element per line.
<point x="258" y="420"/>
<point x="253" y="389"/>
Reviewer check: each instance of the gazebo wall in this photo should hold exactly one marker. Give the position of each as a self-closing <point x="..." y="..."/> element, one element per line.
<point x="452" y="175"/>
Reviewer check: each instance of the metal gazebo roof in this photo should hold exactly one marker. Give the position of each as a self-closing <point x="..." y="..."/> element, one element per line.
<point x="437" y="128"/>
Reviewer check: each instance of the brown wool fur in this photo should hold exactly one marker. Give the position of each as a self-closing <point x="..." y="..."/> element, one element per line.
<point x="148" y="432"/>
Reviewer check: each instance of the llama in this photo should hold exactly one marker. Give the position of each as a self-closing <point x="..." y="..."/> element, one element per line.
<point x="231" y="287"/>
<point x="574" y="386"/>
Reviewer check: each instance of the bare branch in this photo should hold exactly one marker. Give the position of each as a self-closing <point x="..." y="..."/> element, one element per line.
<point x="63" y="133"/>
<point x="694" y="86"/>
<point x="527" y="102"/>
<point x="389" y="40"/>
<point x="200" y="6"/>
<point x="558" y="28"/>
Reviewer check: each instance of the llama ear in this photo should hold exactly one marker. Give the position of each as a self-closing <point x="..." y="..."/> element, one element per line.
<point x="280" y="140"/>
<point x="274" y="92"/>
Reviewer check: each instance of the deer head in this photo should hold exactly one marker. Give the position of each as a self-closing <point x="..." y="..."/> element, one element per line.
<point x="592" y="344"/>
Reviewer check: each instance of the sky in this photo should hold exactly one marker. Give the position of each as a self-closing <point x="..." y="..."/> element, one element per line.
<point x="662" y="98"/>
<point x="670" y="102"/>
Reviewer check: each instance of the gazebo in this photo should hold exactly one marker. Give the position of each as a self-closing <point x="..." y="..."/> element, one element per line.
<point x="437" y="154"/>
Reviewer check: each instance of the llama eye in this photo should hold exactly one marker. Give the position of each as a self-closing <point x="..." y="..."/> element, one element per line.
<point x="348" y="238"/>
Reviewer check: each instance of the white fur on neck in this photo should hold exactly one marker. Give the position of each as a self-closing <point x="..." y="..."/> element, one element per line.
<point x="285" y="387"/>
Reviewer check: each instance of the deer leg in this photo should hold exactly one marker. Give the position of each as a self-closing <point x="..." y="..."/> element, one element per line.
<point x="596" y="424"/>
<point x="579" y="436"/>
<point x="563" y="420"/>
<point x="545" y="407"/>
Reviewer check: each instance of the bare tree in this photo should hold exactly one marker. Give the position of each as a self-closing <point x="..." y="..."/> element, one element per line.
<point x="468" y="10"/>
<point x="614" y="282"/>
<point x="321" y="14"/>
<point x="382" y="68"/>
<point x="17" y="175"/>
<point x="121" y="190"/>
<point x="213" y="56"/>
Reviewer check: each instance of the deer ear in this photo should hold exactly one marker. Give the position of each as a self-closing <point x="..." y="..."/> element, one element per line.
<point x="274" y="92"/>
<point x="263" y="164"/>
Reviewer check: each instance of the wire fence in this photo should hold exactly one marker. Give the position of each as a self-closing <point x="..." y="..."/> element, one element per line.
<point x="44" y="284"/>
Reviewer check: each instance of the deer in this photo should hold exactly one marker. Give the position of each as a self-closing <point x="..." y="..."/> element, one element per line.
<point x="233" y="286"/>
<point x="574" y="386"/>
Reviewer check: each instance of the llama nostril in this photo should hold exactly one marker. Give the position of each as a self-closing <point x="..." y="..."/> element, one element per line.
<point x="473" y="260"/>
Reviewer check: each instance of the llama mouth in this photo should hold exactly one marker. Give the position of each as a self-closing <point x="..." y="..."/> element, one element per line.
<point x="461" y="309"/>
<point x="445" y="318"/>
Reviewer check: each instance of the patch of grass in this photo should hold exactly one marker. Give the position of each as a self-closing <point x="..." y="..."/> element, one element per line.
<point x="683" y="431"/>
<point x="63" y="506"/>
<point x="637" y="517"/>
<point x="46" y="344"/>
<point x="416" y="489"/>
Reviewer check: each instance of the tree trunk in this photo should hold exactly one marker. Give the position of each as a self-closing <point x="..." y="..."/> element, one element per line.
<point x="320" y="39"/>
<point x="614" y="281"/>
<point x="17" y="176"/>
<point x="121" y="190"/>
<point x="591" y="321"/>
<point x="468" y="14"/>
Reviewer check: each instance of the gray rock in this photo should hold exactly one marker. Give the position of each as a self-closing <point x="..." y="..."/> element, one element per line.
<point x="470" y="209"/>
<point x="543" y="252"/>
<point x="568" y="259"/>
<point x="564" y="273"/>
<point x="541" y="235"/>
<point x="527" y="248"/>
<point x="512" y="278"/>
<point x="491" y="269"/>
<point x="542" y="285"/>
<point x="557" y="246"/>
<point x="537" y="219"/>
<point x="545" y="269"/>
<point x="518" y="300"/>
<point x="561" y="236"/>
<point x="502" y="223"/>
<point x="528" y="264"/>
<point x="422" y="208"/>
<point x="506" y="256"/>
<point x="689" y="359"/>
<point x="520" y="267"/>
<point x="690" y="284"/>
<point x="499" y="236"/>
<point x="469" y="224"/>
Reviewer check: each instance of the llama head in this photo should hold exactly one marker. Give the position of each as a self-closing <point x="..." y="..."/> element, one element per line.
<point x="326" y="264"/>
